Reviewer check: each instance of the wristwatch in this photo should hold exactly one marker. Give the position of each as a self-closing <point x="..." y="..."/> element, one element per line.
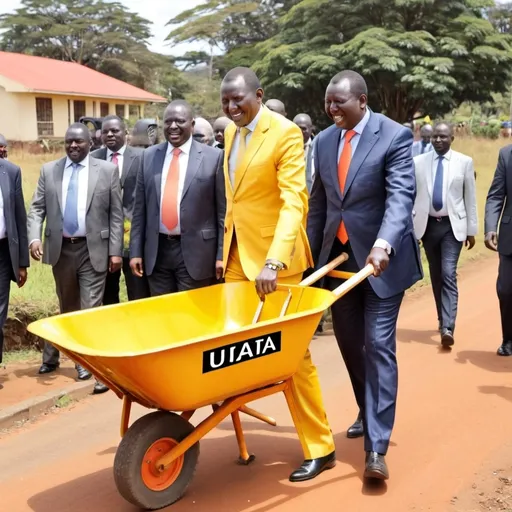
<point x="274" y="266"/>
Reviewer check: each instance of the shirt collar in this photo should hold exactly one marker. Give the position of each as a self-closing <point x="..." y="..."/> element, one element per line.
<point x="83" y="163"/>
<point x="308" y="143"/>
<point x="252" y="125"/>
<point x="447" y="156"/>
<point x="120" y="151"/>
<point x="185" y="147"/>
<point x="359" y="126"/>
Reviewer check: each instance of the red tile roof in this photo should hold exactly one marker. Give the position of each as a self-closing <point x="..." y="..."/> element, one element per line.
<point x="40" y="74"/>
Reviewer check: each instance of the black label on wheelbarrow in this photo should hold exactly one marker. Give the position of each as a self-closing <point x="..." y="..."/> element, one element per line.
<point x="242" y="351"/>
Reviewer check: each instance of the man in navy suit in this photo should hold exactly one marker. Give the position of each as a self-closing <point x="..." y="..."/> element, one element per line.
<point x="361" y="203"/>
<point x="14" y="259"/>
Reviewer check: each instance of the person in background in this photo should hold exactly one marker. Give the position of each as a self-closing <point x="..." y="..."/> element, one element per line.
<point x="219" y="126"/>
<point x="79" y="197"/>
<point x="303" y="121"/>
<point x="96" y="142"/>
<point x="276" y="106"/>
<point x="14" y="258"/>
<point x="498" y="211"/>
<point x="409" y="125"/>
<point x="424" y="145"/>
<point x="445" y="219"/>
<point x="129" y="161"/>
<point x="3" y="147"/>
<point x="144" y="133"/>
<point x="203" y="131"/>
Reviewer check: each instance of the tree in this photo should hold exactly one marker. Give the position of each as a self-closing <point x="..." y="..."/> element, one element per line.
<point x="416" y="55"/>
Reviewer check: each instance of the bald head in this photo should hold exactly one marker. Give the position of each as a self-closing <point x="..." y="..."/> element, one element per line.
<point x="219" y="126"/>
<point x="356" y="83"/>
<point x="203" y="131"/>
<point x="3" y="146"/>
<point x="178" y="122"/>
<point x="3" y="141"/>
<point x="303" y="121"/>
<point x="276" y="106"/>
<point x="246" y="74"/>
<point x="426" y="132"/>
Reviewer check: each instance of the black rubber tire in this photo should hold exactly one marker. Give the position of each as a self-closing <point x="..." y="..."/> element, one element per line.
<point x="128" y="461"/>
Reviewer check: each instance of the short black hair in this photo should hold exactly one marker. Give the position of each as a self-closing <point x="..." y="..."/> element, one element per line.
<point x="444" y="123"/>
<point x="249" y="76"/>
<point x="357" y="83"/>
<point x="114" y="118"/>
<point x="82" y="127"/>
<point x="181" y="103"/>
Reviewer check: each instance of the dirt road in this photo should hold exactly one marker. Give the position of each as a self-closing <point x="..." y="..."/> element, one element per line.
<point x="453" y="415"/>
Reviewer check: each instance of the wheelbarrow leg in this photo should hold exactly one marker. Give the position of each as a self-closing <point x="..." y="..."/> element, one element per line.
<point x="125" y="417"/>
<point x="245" y="459"/>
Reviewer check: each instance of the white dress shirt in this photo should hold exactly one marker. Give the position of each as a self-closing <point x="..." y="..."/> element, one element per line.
<point x="183" y="163"/>
<point x="3" y="227"/>
<point x="236" y="143"/>
<point x="443" y="212"/>
<point x="83" y="183"/>
<point x="308" y="147"/>
<point x="120" y="158"/>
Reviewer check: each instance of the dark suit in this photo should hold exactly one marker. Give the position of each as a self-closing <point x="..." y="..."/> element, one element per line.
<point x="498" y="205"/>
<point x="377" y="204"/>
<point x="136" y="287"/>
<point x="185" y="261"/>
<point x="14" y="247"/>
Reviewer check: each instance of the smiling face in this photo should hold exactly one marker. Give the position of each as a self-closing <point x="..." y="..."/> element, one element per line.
<point x="178" y="124"/>
<point x="77" y="143"/>
<point x="442" y="139"/>
<point x="344" y="107"/>
<point x="113" y="135"/>
<point x="239" y="102"/>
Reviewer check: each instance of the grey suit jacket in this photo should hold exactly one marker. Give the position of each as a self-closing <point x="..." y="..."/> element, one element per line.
<point x="416" y="148"/>
<point x="132" y="162"/>
<point x="202" y="210"/>
<point x="15" y="216"/>
<point x="310" y="161"/>
<point x="104" y="215"/>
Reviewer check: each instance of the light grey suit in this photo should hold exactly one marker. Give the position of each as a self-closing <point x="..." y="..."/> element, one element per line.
<point x="79" y="265"/>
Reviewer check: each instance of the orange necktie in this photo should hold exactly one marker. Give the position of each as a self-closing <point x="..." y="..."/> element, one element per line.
<point x="170" y="198"/>
<point x="343" y="166"/>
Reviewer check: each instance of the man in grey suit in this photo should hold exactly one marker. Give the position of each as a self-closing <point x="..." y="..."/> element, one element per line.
<point x="303" y="121"/>
<point x="14" y="258"/>
<point x="445" y="218"/>
<point x="424" y="145"/>
<point x="80" y="199"/>
<point x="129" y="161"/>
<point x="180" y="205"/>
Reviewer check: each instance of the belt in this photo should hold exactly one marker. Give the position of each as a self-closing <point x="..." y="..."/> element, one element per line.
<point x="170" y="237"/>
<point x="74" y="239"/>
<point x="439" y="219"/>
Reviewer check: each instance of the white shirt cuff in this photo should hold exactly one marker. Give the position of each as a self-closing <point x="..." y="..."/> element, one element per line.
<point x="382" y="244"/>
<point x="32" y="241"/>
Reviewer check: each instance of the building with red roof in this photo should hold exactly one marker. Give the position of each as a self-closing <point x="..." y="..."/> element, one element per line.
<point x="41" y="97"/>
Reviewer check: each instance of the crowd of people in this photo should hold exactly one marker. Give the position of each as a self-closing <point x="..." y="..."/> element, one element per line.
<point x="256" y="197"/>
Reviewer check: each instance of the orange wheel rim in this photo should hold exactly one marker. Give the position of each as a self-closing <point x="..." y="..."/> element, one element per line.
<point x="153" y="478"/>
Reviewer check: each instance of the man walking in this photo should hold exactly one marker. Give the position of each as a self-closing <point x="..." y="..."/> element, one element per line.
<point x="129" y="160"/>
<point x="424" y="145"/>
<point x="498" y="210"/>
<point x="445" y="219"/>
<point x="361" y="204"/>
<point x="178" y="217"/>
<point x="80" y="199"/>
<point x="303" y="121"/>
<point x="276" y="106"/>
<point x="265" y="239"/>
<point x="14" y="259"/>
<point x="219" y="126"/>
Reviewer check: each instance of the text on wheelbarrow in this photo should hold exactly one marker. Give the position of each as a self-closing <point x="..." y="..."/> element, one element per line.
<point x="240" y="352"/>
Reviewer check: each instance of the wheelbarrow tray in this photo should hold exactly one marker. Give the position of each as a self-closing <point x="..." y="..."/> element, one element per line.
<point x="185" y="350"/>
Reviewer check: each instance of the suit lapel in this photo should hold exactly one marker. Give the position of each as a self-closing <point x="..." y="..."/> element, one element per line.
<point x="5" y="185"/>
<point x="128" y="159"/>
<point x="334" y="143"/>
<point x="58" y="177"/>
<point x="429" y="166"/>
<point x="229" y="137"/>
<point x="158" y="163"/>
<point x="94" y="173"/>
<point x="368" y="139"/>
<point x="194" y="164"/>
<point x="451" y="169"/>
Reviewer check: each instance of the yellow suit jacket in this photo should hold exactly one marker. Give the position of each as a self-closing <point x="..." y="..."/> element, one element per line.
<point x="268" y="205"/>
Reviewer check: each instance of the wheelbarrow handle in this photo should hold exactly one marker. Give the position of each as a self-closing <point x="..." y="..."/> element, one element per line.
<point x="279" y="287"/>
<point x="356" y="279"/>
<point x="321" y="272"/>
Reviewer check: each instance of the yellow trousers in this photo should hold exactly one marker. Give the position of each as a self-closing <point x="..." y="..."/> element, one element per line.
<point x="312" y="426"/>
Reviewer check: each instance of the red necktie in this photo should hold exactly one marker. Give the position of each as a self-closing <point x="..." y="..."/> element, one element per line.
<point x="114" y="158"/>
<point x="170" y="197"/>
<point x="343" y="167"/>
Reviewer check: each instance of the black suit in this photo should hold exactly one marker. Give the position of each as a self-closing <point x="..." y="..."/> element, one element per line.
<point x="498" y="205"/>
<point x="136" y="287"/>
<point x="14" y="247"/>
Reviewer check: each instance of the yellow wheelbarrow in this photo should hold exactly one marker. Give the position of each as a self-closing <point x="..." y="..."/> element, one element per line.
<point x="187" y="350"/>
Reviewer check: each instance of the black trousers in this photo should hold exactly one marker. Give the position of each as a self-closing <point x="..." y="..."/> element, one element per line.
<point x="5" y="287"/>
<point x="170" y="273"/>
<point x="504" y="289"/>
<point x="136" y="287"/>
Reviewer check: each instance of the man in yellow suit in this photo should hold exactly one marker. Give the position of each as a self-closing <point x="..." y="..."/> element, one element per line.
<point x="264" y="237"/>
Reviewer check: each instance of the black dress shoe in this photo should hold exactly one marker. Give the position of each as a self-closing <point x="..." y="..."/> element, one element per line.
<point x="313" y="467"/>
<point x="99" y="388"/>
<point x="357" y="429"/>
<point x="47" y="368"/>
<point x="375" y="466"/>
<point x="505" y="349"/>
<point x="83" y="374"/>
<point x="447" y="339"/>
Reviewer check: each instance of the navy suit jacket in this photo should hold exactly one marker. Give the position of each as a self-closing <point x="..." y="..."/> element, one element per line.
<point x="15" y="216"/>
<point x="377" y="203"/>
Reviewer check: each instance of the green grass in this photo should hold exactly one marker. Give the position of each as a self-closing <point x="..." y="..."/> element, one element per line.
<point x="21" y="356"/>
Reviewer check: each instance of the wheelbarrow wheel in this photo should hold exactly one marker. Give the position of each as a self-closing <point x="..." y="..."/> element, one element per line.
<point x="135" y="472"/>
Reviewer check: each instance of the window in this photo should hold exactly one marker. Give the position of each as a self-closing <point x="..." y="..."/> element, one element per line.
<point x="79" y="108"/>
<point x="134" y="111"/>
<point x="103" y="109"/>
<point x="93" y="109"/>
<point x="120" y="111"/>
<point x="44" y="115"/>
